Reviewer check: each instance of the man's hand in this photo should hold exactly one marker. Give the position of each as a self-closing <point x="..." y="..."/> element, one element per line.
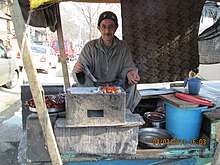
<point x="133" y="77"/>
<point x="78" y="67"/>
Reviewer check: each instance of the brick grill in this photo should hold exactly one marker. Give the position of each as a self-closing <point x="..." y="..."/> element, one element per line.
<point x="97" y="123"/>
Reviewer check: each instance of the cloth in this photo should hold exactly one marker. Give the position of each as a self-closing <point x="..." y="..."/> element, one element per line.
<point x="109" y="67"/>
<point x="44" y="16"/>
<point x="209" y="38"/>
<point x="163" y="37"/>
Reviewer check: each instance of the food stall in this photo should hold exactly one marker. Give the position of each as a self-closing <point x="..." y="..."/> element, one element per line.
<point x="80" y="140"/>
<point x="81" y="133"/>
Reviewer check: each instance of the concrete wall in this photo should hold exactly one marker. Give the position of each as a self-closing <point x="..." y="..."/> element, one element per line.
<point x="209" y="71"/>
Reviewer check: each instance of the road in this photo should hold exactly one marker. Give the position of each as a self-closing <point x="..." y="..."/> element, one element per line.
<point x="11" y="113"/>
<point x="10" y="124"/>
<point x="11" y="97"/>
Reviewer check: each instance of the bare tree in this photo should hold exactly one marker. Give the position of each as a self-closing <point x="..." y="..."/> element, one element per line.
<point x="88" y="13"/>
<point x="79" y="20"/>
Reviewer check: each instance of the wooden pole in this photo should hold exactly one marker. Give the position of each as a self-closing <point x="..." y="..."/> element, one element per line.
<point x="63" y="58"/>
<point x="17" y="20"/>
<point x="39" y="100"/>
<point x="216" y="157"/>
<point x="35" y="86"/>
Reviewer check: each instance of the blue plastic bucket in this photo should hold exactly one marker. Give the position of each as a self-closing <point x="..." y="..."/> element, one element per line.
<point x="184" y="123"/>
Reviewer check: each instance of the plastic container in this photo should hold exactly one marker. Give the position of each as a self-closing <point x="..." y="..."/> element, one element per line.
<point x="194" y="85"/>
<point x="184" y="123"/>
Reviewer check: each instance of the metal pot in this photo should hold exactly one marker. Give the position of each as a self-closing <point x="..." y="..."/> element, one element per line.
<point x="154" y="119"/>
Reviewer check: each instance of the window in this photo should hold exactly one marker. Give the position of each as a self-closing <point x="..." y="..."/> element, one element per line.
<point x="38" y="50"/>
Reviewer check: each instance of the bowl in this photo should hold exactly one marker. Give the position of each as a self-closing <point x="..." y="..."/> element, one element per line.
<point x="153" y="137"/>
<point x="54" y="103"/>
<point x="154" y="119"/>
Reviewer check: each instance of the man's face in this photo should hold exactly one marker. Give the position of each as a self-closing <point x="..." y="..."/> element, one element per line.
<point x="107" y="29"/>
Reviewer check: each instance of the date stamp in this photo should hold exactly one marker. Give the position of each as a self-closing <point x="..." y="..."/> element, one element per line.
<point x="201" y="141"/>
<point x="169" y="141"/>
<point x="179" y="142"/>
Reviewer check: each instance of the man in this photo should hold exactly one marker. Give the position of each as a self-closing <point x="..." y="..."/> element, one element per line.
<point x="109" y="60"/>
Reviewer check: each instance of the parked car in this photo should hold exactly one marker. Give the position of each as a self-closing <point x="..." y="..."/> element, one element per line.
<point x="9" y="70"/>
<point x="44" y="57"/>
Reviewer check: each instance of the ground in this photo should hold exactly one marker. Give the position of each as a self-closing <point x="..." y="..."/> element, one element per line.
<point x="11" y="131"/>
<point x="10" y="156"/>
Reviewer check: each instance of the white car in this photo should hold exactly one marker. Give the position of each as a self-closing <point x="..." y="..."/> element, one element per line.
<point x="44" y="58"/>
<point x="9" y="71"/>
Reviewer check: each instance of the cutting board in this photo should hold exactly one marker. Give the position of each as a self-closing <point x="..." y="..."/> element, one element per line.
<point x="178" y="102"/>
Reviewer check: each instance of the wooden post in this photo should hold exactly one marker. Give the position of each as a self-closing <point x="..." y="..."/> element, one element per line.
<point x="39" y="100"/>
<point x="35" y="86"/>
<point x="63" y="58"/>
<point x="216" y="157"/>
<point x="17" y="20"/>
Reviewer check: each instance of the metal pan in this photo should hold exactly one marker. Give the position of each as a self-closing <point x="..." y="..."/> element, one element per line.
<point x="50" y="110"/>
<point x="153" y="137"/>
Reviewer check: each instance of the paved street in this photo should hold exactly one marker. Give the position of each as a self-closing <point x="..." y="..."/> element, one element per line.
<point x="10" y="124"/>
<point x="11" y="113"/>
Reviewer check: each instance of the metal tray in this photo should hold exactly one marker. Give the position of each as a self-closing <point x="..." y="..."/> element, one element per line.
<point x="50" y="110"/>
<point x="147" y="137"/>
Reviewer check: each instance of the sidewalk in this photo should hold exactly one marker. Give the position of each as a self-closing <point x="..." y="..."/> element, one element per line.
<point x="10" y="135"/>
<point x="11" y="131"/>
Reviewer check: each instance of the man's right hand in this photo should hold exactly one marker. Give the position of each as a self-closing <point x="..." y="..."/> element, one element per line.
<point x="78" y="67"/>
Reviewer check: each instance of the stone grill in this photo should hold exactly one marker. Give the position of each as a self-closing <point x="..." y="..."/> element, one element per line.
<point x="88" y="106"/>
<point x="97" y="123"/>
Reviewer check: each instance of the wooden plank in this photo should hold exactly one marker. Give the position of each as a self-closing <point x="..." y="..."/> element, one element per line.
<point x="177" y="152"/>
<point x="216" y="158"/>
<point x="39" y="99"/>
<point x="63" y="59"/>
<point x="17" y="20"/>
<point x="213" y="114"/>
<point x="36" y="88"/>
<point x="178" y="102"/>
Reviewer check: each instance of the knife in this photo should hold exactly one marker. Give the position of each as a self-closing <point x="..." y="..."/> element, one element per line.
<point x="88" y="73"/>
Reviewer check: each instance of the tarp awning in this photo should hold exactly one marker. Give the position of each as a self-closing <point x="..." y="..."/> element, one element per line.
<point x="36" y="3"/>
<point x="208" y="40"/>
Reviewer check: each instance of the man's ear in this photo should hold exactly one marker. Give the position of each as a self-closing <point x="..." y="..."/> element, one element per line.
<point x="98" y="27"/>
